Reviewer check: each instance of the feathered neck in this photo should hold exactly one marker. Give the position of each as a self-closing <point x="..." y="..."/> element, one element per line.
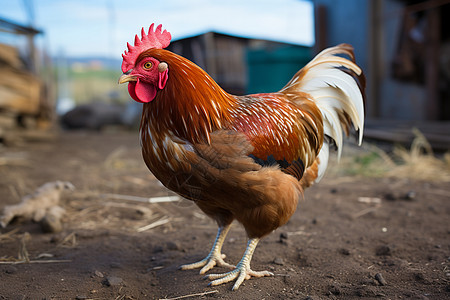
<point x="191" y="105"/>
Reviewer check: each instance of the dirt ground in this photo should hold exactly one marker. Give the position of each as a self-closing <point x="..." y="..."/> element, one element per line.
<point x="352" y="237"/>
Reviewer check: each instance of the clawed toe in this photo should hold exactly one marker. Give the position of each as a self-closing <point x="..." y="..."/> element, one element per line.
<point x="240" y="274"/>
<point x="194" y="265"/>
<point x="215" y="257"/>
<point x="208" y="263"/>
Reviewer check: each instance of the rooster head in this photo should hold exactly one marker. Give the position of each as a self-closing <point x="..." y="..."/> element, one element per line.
<point x="145" y="75"/>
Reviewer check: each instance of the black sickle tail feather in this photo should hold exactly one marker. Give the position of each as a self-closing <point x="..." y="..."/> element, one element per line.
<point x="296" y="168"/>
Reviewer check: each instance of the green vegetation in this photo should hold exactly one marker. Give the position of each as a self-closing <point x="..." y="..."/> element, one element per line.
<point x="417" y="162"/>
<point x="367" y="162"/>
<point x="90" y="84"/>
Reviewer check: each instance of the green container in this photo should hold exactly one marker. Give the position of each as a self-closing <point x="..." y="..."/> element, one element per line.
<point x="270" y="70"/>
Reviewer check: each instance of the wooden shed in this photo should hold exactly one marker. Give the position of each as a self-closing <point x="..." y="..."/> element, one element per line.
<point x="403" y="46"/>
<point x="23" y="94"/>
<point x="237" y="62"/>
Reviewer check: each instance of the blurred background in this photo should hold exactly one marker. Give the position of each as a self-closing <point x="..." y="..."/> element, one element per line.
<point x="381" y="213"/>
<point x="60" y="60"/>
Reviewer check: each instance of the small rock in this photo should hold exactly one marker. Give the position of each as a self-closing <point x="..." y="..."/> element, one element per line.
<point x="284" y="242"/>
<point x="173" y="246"/>
<point x="390" y="197"/>
<point x="333" y="191"/>
<point x="10" y="270"/>
<point x="278" y="261"/>
<point x="379" y="277"/>
<point x="419" y="276"/>
<point x="283" y="238"/>
<point x="383" y="251"/>
<point x="81" y="297"/>
<point x="314" y="221"/>
<point x="334" y="290"/>
<point x="158" y="249"/>
<point x="411" y="195"/>
<point x="113" y="281"/>
<point x="98" y="274"/>
<point x="344" y="251"/>
<point x="115" y="265"/>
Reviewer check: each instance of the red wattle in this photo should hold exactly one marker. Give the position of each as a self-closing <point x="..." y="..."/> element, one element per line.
<point x="131" y="88"/>
<point x="163" y="76"/>
<point x="142" y="92"/>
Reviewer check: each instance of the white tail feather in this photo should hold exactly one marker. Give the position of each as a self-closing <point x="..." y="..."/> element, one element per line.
<point x="323" y="160"/>
<point x="335" y="92"/>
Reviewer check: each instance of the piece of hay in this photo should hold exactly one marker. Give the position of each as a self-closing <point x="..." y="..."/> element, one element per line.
<point x="154" y="224"/>
<point x="23" y="252"/>
<point x="419" y="162"/>
<point x="192" y="295"/>
<point x="37" y="205"/>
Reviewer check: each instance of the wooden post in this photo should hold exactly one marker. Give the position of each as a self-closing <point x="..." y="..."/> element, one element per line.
<point x="376" y="47"/>
<point x="433" y="34"/>
<point x="320" y="29"/>
<point x="32" y="53"/>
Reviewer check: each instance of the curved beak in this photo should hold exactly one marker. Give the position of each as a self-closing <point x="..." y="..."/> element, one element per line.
<point x="126" y="78"/>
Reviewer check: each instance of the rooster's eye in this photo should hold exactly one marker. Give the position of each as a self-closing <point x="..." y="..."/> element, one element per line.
<point x="147" y="65"/>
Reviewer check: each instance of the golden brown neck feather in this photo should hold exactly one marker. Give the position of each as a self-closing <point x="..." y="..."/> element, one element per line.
<point x="191" y="105"/>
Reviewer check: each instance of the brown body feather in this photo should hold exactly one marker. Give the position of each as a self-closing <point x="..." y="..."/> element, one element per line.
<point x="196" y="139"/>
<point x="235" y="187"/>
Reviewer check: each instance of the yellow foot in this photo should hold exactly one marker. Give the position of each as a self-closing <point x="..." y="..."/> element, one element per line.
<point x="213" y="259"/>
<point x="241" y="273"/>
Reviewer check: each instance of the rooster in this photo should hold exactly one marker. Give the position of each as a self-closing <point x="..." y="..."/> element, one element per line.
<point x="245" y="158"/>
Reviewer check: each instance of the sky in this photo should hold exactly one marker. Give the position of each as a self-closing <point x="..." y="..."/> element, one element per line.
<point x="82" y="28"/>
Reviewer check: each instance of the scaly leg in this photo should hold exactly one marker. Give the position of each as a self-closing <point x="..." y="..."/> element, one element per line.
<point x="215" y="257"/>
<point x="242" y="271"/>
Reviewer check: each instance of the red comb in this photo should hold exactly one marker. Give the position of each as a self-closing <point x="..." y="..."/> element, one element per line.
<point x="153" y="39"/>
